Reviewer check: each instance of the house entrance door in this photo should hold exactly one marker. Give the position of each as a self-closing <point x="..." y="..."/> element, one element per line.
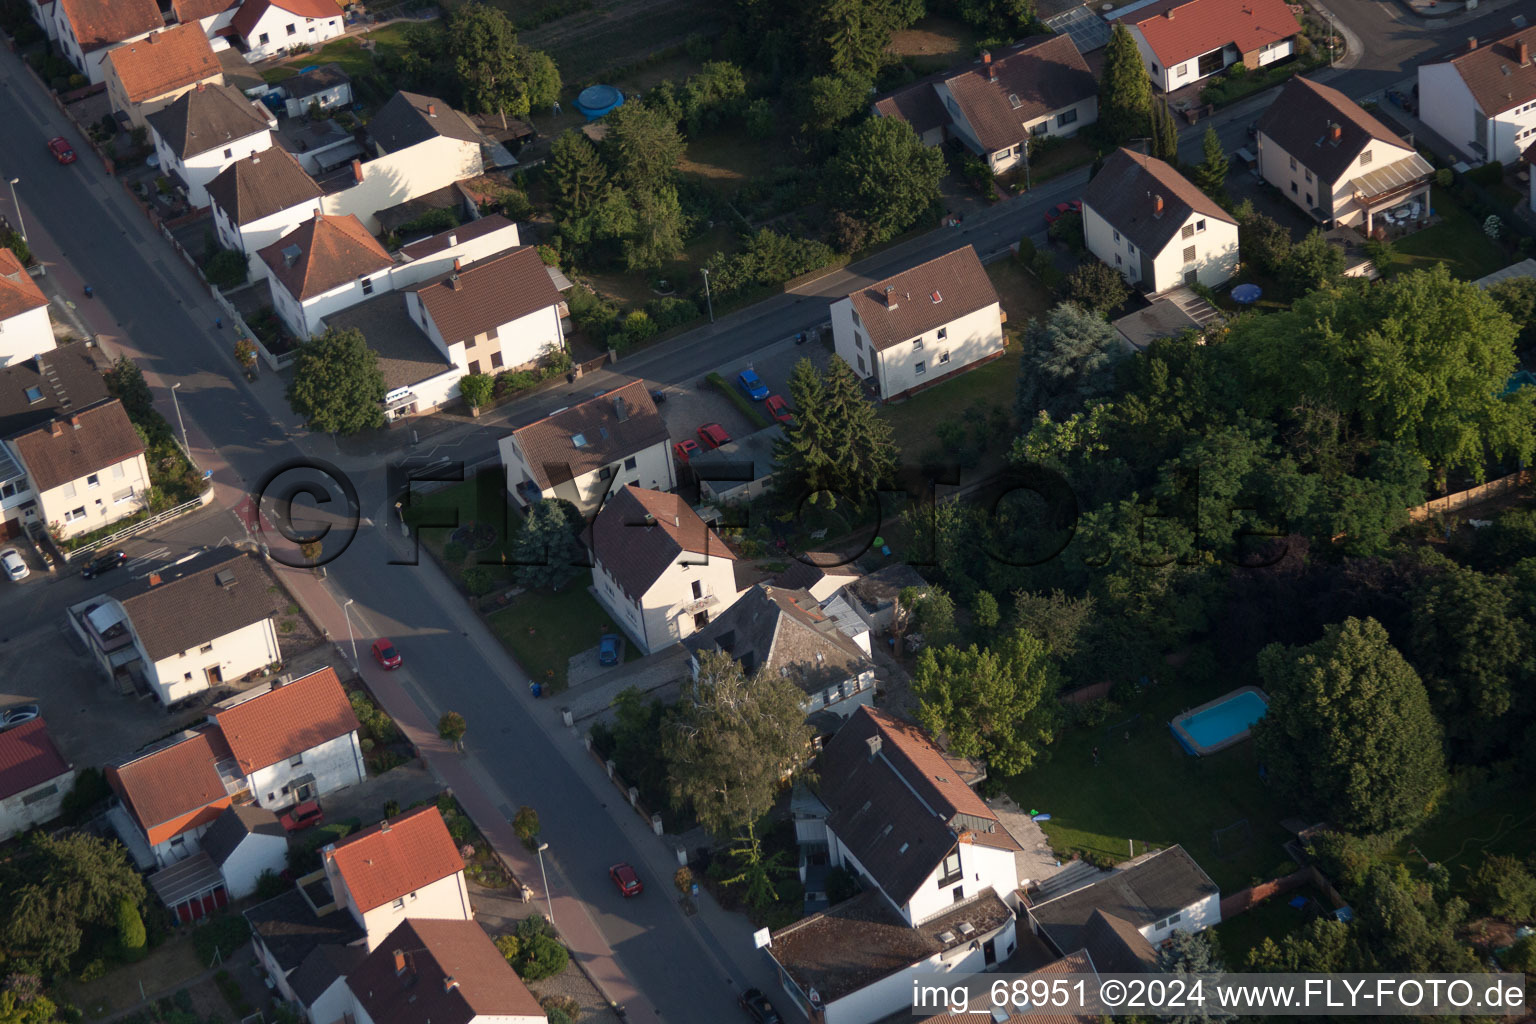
<point x="215" y="675"/>
<point x="989" y="950"/>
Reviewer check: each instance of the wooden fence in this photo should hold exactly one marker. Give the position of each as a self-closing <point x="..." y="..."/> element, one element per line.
<point x="1463" y="500"/>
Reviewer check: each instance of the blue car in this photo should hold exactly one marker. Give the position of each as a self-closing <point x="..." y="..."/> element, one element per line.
<point x="751" y="386"/>
<point x="608" y="649"/>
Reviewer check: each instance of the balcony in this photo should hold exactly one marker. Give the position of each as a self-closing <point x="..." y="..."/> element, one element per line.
<point x="698" y="604"/>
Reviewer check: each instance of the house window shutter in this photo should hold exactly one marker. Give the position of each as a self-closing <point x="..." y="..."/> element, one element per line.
<point x="1189" y="254"/>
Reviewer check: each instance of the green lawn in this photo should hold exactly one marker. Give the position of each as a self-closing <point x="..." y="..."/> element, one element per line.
<point x="543" y="629"/>
<point x="482" y="499"/>
<point x="1147" y="789"/>
<point x="1457" y="241"/>
<point x="1499" y="820"/>
<point x="1274" y="919"/>
<point x="347" y="51"/>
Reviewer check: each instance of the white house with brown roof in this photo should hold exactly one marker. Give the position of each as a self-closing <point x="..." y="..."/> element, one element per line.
<point x="407" y="866"/>
<point x="502" y="313"/>
<point x="1483" y="100"/>
<point x="324" y="265"/>
<point x="1153" y="225"/>
<point x="260" y="199"/>
<point x="271" y="27"/>
<point x="464" y="245"/>
<point x="86" y="30"/>
<point x="34" y="392"/>
<point x="34" y="778"/>
<point x="921" y="326"/>
<point x="203" y="131"/>
<point x="170" y="794"/>
<point x="1183" y="41"/>
<point x="145" y="76"/>
<point x="658" y="569"/>
<point x="445" y="972"/>
<point x="589" y="450"/>
<point x="25" y="327"/>
<point x="86" y="470"/>
<point x="1334" y="160"/>
<point x="293" y="741"/>
<point x="209" y="15"/>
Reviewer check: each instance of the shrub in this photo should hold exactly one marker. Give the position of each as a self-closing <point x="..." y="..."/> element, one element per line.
<point x="1444" y="176"/>
<point x="220" y="937"/>
<point x="476" y="388"/>
<point x="391" y="808"/>
<point x="1096" y="286"/>
<point x="452" y="726"/>
<point x="842" y="885"/>
<point x="1520" y="957"/>
<point x="526" y="826"/>
<point x="556" y="1007"/>
<point x="683" y="879"/>
<point x="1490" y="173"/>
<point x="541" y="958"/>
<point x="130" y="931"/>
<point x="508" y="946"/>
<point x="479" y="581"/>
<point x="671" y="311"/>
<point x="1026" y="249"/>
<point x="1068" y="230"/>
<point x="90" y="789"/>
<point x="454" y="553"/>
<point x="270" y="885"/>
<point x="1043" y="266"/>
<point x="550" y="255"/>
<point x="1505" y="887"/>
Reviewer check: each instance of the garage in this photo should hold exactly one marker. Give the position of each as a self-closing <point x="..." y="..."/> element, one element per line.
<point x="192" y="889"/>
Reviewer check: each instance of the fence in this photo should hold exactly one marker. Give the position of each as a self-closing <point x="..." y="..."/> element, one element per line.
<point x="141" y="526"/>
<point x="630" y="792"/>
<point x="1462" y="500"/>
<point x="1247" y="899"/>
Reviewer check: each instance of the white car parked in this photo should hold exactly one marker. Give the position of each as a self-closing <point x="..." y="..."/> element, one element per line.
<point x="15" y="568"/>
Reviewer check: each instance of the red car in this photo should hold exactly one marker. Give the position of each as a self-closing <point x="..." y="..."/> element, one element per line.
<point x="302" y="816"/>
<point x="685" y="449"/>
<point x="62" y="151"/>
<point x="625" y="878"/>
<point x="385" y="654"/>
<point x="1075" y="206"/>
<point x="779" y="409"/>
<point x="713" y="435"/>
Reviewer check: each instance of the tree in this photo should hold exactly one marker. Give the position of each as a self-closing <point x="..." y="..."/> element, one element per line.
<point x="245" y="354"/>
<point x="1313" y="262"/>
<point x="716" y="93"/>
<point x="732" y="742"/>
<point x="538" y="954"/>
<point x="1517" y="297"/>
<point x="526" y="826"/>
<point x="855" y="33"/>
<point x="59" y="888"/>
<point x="1125" y="91"/>
<point x="1349" y="732"/>
<point x="658" y="228"/>
<point x="337" y="386"/>
<point x="933" y="614"/>
<point x="1504" y="887"/>
<point x="16" y="1008"/>
<point x="1165" y="134"/>
<point x="452" y="727"/>
<point x="548" y="551"/>
<point x="1211" y="174"/>
<point x="987" y="704"/>
<point x="1191" y="956"/>
<point x="643" y="146"/>
<point x="1058" y="620"/>
<point x="883" y="175"/>
<point x="1264" y="243"/>
<point x="757" y="873"/>
<point x="1002" y="19"/>
<point x="827" y="102"/>
<point x="540" y="78"/>
<point x="477" y="389"/>
<point x="1096" y="286"/>
<point x="1068" y="359"/>
<point x="838" y="447"/>
<point x="984" y="611"/>
<point x="576" y="175"/>
<point x="131" y="938"/>
<point x="498" y="74"/>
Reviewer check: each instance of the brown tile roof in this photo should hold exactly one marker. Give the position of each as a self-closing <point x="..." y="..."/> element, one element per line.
<point x="980" y="1009"/>
<point x="783" y="631"/>
<point x="959" y="280"/>
<point x="164" y="62"/>
<point x="1495" y="75"/>
<point x="261" y="185"/>
<point x="549" y="445"/>
<point x="488" y="294"/>
<point x="455" y="236"/>
<point x="1123" y="191"/>
<point x="18" y="292"/>
<point x="166" y="787"/>
<point x="1116" y="945"/>
<point x="1301" y="120"/>
<point x="917" y="104"/>
<point x="64" y="381"/>
<point x="406" y="355"/>
<point x="70" y="448"/>
<point x="195" y="10"/>
<point x="98" y="23"/>
<point x="331" y="251"/>
<point x="28" y="758"/>
<point x="1141" y="892"/>
<point x="807" y="569"/>
<point x="207" y="118"/>
<point x="637" y="549"/>
<point x="250" y="12"/>
<point x="396" y="856"/>
<point x="410" y="118"/>
<point x="1042" y="75"/>
<point x="185" y="606"/>
<point x="451" y="974"/>
<point x="1180" y="29"/>
<point x="286" y="720"/>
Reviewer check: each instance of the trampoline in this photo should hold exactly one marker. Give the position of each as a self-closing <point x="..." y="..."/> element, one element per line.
<point x="1247" y="294"/>
<point x="597" y="100"/>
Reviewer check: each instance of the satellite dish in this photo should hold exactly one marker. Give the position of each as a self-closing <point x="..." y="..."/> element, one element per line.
<point x="761" y="938"/>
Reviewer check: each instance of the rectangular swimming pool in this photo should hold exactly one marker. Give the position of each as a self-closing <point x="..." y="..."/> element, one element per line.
<point x="1222" y="722"/>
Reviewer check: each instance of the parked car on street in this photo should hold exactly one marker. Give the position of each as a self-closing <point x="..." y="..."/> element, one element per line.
<point x="713" y="435"/>
<point x="625" y="878"/>
<point x="779" y="409"/>
<point x="385" y="654"/>
<point x="751" y="385"/>
<point x="1060" y="209"/>
<point x="758" y="1007"/>
<point x="103" y="563"/>
<point x="15" y="567"/>
<point x="686" y="449"/>
<point x="608" y="649"/>
<point x="62" y="151"/>
<point x="302" y="816"/>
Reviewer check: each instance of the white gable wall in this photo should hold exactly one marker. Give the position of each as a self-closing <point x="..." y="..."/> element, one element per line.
<point x="1196" y="917"/>
<point x="40" y="803"/>
<point x="467" y="252"/>
<point x="199" y="170"/>
<point x="247" y="649"/>
<point x="652" y="470"/>
<point x="258" y="234"/>
<point x="405" y="174"/>
<point x="277" y="31"/>
<point x="257" y="853"/>
<point x="447" y="899"/>
<point x="664" y="614"/>
<point x="1447" y="106"/>
<point x="335" y="764"/>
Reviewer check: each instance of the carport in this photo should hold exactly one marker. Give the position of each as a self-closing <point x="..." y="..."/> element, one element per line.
<point x="192" y="889"/>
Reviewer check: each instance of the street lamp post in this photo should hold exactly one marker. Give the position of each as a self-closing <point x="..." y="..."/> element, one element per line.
<point x="346" y="611"/>
<point x="21" y="225"/>
<point x="1330" y="39"/>
<point x="548" y="899"/>
<point x="179" y="421"/>
<point x="707" y="300"/>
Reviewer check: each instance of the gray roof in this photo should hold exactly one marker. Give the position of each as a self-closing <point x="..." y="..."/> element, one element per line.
<point x="1116" y="946"/>
<point x="410" y="118"/>
<point x="406" y="355"/>
<point x="261" y="185"/>
<point x="66" y="381"/>
<point x="1144" y="891"/>
<point x="316" y="80"/>
<point x="808" y="568"/>
<point x="206" y="118"/>
<point x="290" y="929"/>
<point x="1164" y="318"/>
<point x="1124" y="193"/>
<point x="184" y="606"/>
<point x="321" y="969"/>
<point x="230" y="828"/>
<point x="783" y="631"/>
<point x="880" y="588"/>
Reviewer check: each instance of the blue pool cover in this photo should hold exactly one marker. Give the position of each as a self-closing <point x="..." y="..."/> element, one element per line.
<point x="597" y="100"/>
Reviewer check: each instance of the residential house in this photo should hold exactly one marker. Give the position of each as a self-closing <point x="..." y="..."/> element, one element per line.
<point x="85" y="30"/>
<point x="1126" y="914"/>
<point x="984" y="1006"/>
<point x="243" y="843"/>
<point x="185" y="628"/>
<point x="418" y="377"/>
<point x="260" y="199"/>
<point x="418" y="145"/>
<point x="42" y="13"/>
<point x="819" y="573"/>
<point x="921" y="326"/>
<point x="308" y="949"/>
<point x="320" y="982"/>
<point x="739" y="470"/>
<point x="1149" y="222"/>
<point x="212" y="16"/>
<point x="170" y="794"/>
<point x="271" y="27"/>
<point x="464" y="245"/>
<point x="406" y="866"/>
<point x="785" y="633"/>
<point x="1483" y="100"/>
<point x="1183" y="41"/>
<point x="326" y="87"/>
<point x="34" y="778"/>
<point x="205" y="130"/>
<point x="32" y="393"/>
<point x="589" y="450"/>
<point x="324" y="265"/>
<point x="1336" y="161"/>
<point x="293" y="740"/>
<point x="500" y="313"/>
<point x="25" y="327"/>
<point x="937" y="866"/>
<point x="446" y="972"/>
<point x="658" y="569"/>
<point x="876" y="596"/>
<point x="86" y="470"/>
<point x="146" y="76"/>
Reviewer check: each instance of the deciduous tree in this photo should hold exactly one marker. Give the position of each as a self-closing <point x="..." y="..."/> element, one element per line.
<point x="337" y="386"/>
<point x="986" y="703"/>
<point x="715" y="93"/>
<point x="1313" y="262"/>
<point x="883" y="175"/>
<point x="498" y="74"/>
<point x="1125" y="91"/>
<point x="1096" y="286"/>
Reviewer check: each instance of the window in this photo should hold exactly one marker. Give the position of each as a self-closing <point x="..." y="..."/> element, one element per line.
<point x="1183" y="70"/>
<point x="1199" y="225"/>
<point x="856" y="321"/>
<point x="858" y="340"/>
<point x="921" y="368"/>
<point x="69" y="489"/>
<point x="605" y="473"/>
<point x="943" y="358"/>
<point x="1040" y="129"/>
<point x="1117" y="238"/>
<point x="496" y="360"/>
<point x="859" y="364"/>
<point x="1117" y="259"/>
<point x="205" y="648"/>
<point x="1365" y="157"/>
<point x="1293" y="163"/>
<point x="117" y="471"/>
<point x="1293" y="188"/>
<point x="1066" y="117"/>
<point x="39" y="795"/>
<point x="263" y="39"/>
<point x="119" y="497"/>
<point x="187" y="676"/>
<point x="74" y="514"/>
<point x="94" y="480"/>
<point x="367" y="286"/>
<point x="949" y="871"/>
<point x="1189" y="254"/>
<point x="943" y="333"/>
<point x="959" y="893"/>
<point x="399" y="904"/>
<point x="1154" y="68"/>
<point x="1130" y="248"/>
<point x="698" y="589"/>
<point x="917" y="345"/>
<point x="295" y="761"/>
<point x="1308" y="173"/>
<point x="15" y="487"/>
<point x="34" y="395"/>
<point x="474" y="366"/>
<point x="229" y="154"/>
<point x="293" y="29"/>
<point x="1188" y="231"/>
<point x="631" y="462"/>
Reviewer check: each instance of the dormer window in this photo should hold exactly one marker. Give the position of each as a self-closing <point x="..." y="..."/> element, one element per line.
<point x="1014" y="101"/>
<point x="949" y="871"/>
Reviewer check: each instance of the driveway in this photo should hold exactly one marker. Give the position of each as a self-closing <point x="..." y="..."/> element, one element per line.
<point x="692" y="404"/>
<point x="406" y="785"/>
<point x="648" y="675"/>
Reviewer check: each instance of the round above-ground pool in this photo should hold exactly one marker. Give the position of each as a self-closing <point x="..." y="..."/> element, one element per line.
<point x="597" y="100"/>
<point x="1216" y="725"/>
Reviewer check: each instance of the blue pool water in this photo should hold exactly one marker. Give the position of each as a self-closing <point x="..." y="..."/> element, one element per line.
<point x="1227" y="719"/>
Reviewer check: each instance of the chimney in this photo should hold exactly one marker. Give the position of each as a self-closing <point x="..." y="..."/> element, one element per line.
<point x="1524" y="50"/>
<point x="399" y="961"/>
<point x="74" y="421"/>
<point x="986" y="56"/>
<point x="357" y="170"/>
<point x="453" y="240"/>
<point x="202" y="85"/>
<point x="453" y="281"/>
<point x="450" y="983"/>
<point x="1157" y="206"/>
<point x="154" y="579"/>
<point x="152" y="37"/>
<point x="384" y="825"/>
<point x="455" y="260"/>
<point x="56" y="429"/>
<point x="890" y="297"/>
<point x="874" y="746"/>
<point x="620" y="410"/>
<point x="431" y="109"/>
<point x="1335" y="132"/>
<point x="1168" y="14"/>
<point x="1471" y="43"/>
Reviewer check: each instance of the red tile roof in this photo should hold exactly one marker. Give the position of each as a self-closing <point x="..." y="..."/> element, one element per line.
<point x="395" y="857"/>
<point x="331" y="252"/>
<point x="166" y="788"/>
<point x="98" y="23"/>
<point x="1180" y="29"/>
<point x="251" y="11"/>
<point x="18" y="292"/>
<point x="286" y="720"/>
<point x="78" y="445"/>
<point x="957" y="278"/>
<point x="1495" y="75"/>
<point x="451" y="974"/>
<point x="194" y="10"/>
<point x="1039" y="77"/>
<point x="28" y="758"/>
<point x="164" y="62"/>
